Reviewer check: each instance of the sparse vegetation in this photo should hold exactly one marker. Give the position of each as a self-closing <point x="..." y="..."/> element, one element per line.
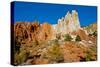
<point x="54" y="53"/>
<point x="20" y="57"/>
<point x="67" y="37"/>
<point x="36" y="47"/>
<point x="88" y="56"/>
<point x="17" y="45"/>
<point x="78" y="38"/>
<point x="95" y="33"/>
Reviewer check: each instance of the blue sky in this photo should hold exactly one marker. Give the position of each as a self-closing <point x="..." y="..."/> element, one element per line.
<point x="29" y="12"/>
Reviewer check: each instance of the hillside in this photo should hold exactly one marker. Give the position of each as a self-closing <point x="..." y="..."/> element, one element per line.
<point x="63" y="42"/>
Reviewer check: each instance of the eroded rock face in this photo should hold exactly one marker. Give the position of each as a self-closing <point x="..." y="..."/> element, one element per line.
<point x="82" y="34"/>
<point x="75" y="52"/>
<point x="45" y="32"/>
<point x="28" y="32"/>
<point x="35" y="31"/>
<point x="69" y="23"/>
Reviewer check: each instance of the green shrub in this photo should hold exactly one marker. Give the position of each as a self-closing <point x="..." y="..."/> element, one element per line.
<point x="78" y="38"/>
<point x="95" y="33"/>
<point x="54" y="54"/>
<point x="20" y="57"/>
<point x="88" y="56"/>
<point x="17" y="45"/>
<point x="67" y="37"/>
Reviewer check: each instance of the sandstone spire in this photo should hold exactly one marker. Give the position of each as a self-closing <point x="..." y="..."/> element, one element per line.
<point x="69" y="23"/>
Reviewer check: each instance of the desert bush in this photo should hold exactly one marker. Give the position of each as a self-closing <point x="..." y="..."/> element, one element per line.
<point x="67" y="37"/>
<point x="54" y="54"/>
<point x="17" y="44"/>
<point x="90" y="55"/>
<point x="20" y="57"/>
<point x="78" y="38"/>
<point x="95" y="33"/>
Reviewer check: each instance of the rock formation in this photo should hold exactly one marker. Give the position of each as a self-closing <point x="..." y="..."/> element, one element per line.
<point x="28" y="31"/>
<point x="65" y="41"/>
<point x="69" y="23"/>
